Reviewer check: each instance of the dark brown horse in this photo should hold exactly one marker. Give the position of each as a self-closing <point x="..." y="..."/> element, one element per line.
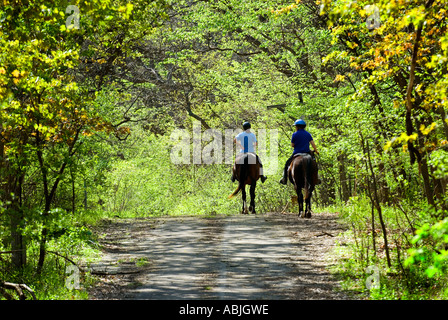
<point x="303" y="175"/>
<point x="247" y="171"/>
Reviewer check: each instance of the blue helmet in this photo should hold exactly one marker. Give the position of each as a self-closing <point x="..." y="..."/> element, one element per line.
<point x="299" y="122"/>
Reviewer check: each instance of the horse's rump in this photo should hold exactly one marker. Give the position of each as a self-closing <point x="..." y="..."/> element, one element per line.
<point x="246" y="170"/>
<point x="301" y="170"/>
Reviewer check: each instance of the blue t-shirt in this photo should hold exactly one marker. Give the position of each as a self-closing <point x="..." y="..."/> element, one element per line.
<point x="247" y="140"/>
<point x="301" y="140"/>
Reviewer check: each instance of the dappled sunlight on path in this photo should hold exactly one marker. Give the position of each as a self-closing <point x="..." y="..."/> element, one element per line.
<point x="269" y="256"/>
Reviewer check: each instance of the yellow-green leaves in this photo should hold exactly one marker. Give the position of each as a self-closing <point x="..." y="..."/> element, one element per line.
<point x="403" y="139"/>
<point x="426" y="130"/>
<point x="416" y="16"/>
<point x="126" y="10"/>
<point x="334" y="56"/>
<point x="15" y="73"/>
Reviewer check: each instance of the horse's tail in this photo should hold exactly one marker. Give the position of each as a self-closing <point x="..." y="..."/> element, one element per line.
<point x="309" y="170"/>
<point x="244" y="170"/>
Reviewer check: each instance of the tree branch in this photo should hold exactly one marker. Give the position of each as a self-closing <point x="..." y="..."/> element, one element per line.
<point x="18" y="288"/>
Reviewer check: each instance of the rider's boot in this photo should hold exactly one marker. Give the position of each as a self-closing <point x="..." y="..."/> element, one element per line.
<point x="262" y="176"/>
<point x="284" y="178"/>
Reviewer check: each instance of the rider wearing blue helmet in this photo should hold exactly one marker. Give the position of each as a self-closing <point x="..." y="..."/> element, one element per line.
<point x="300" y="141"/>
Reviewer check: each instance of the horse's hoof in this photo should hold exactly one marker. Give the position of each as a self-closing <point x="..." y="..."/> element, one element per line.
<point x="308" y="215"/>
<point x="301" y="215"/>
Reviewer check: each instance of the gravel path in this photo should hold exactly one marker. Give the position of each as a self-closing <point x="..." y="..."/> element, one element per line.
<point x="270" y="256"/>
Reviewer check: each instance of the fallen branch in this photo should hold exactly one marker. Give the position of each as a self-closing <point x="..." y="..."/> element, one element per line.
<point x="66" y="258"/>
<point x="324" y="234"/>
<point x="18" y="288"/>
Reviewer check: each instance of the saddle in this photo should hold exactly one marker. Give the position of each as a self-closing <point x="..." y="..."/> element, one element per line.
<point x="304" y="154"/>
<point x="252" y="158"/>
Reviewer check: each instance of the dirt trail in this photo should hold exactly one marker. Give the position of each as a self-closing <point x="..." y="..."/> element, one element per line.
<point x="268" y="256"/>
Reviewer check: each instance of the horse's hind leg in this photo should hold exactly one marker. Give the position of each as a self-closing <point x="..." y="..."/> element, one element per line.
<point x="308" y="203"/>
<point x="300" y="202"/>
<point x="308" y="208"/>
<point x="252" y="197"/>
<point x="243" y="195"/>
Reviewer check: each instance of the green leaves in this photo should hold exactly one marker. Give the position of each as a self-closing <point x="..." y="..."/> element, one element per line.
<point x="439" y="161"/>
<point x="432" y="241"/>
<point x="44" y="111"/>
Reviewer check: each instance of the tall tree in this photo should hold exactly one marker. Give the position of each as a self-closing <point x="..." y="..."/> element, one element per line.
<point x="45" y="114"/>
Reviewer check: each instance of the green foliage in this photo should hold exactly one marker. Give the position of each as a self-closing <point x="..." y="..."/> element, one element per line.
<point x="48" y="115"/>
<point x="418" y="268"/>
<point x="431" y="252"/>
<point x="439" y="160"/>
<point x="148" y="183"/>
<point x="86" y="116"/>
<point x="70" y="238"/>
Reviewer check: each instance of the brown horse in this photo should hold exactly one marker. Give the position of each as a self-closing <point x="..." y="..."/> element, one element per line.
<point x="247" y="171"/>
<point x="303" y="175"/>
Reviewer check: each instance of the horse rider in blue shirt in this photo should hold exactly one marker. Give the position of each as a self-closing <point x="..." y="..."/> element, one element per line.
<point x="300" y="141"/>
<point x="247" y="142"/>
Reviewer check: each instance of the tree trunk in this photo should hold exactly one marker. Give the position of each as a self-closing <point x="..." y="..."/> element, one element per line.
<point x="49" y="194"/>
<point x="18" y="246"/>
<point x="11" y="182"/>
<point x="72" y="175"/>
<point x="423" y="167"/>
<point x="378" y="207"/>
<point x="377" y="204"/>
<point x="343" y="177"/>
<point x="443" y="117"/>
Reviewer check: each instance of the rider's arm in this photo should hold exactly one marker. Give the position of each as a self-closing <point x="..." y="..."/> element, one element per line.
<point x="238" y="144"/>
<point x="314" y="146"/>
<point x="235" y="141"/>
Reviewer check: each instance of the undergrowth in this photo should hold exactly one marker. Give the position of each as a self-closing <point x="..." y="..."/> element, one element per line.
<point x="417" y="243"/>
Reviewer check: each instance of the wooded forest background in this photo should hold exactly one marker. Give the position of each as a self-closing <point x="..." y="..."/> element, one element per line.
<point x="87" y="114"/>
